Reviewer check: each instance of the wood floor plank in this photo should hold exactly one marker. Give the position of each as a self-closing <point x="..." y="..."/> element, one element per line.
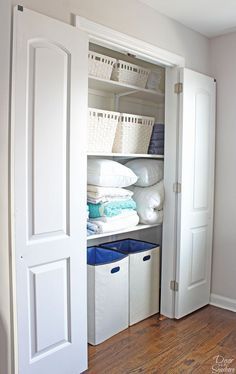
<point x="169" y="346"/>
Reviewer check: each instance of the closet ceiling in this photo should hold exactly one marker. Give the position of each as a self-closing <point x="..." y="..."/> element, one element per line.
<point x="210" y="18"/>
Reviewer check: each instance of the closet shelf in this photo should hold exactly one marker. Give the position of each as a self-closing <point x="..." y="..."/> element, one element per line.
<point x="131" y="229"/>
<point x="122" y="89"/>
<point x="125" y="155"/>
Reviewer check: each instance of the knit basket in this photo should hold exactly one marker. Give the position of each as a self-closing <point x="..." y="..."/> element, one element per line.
<point x="100" y="66"/>
<point x="133" y="134"/>
<point x="130" y="74"/>
<point x="102" y="126"/>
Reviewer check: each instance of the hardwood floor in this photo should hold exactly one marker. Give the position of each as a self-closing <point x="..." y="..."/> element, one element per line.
<point x="169" y="346"/>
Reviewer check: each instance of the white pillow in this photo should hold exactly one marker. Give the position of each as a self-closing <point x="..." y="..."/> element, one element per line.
<point x="108" y="173"/>
<point x="149" y="172"/>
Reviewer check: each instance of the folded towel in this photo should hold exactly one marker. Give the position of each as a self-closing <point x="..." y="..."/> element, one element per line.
<point x="110" y="209"/>
<point x="158" y="127"/>
<point x="105" y="199"/>
<point x="96" y="191"/>
<point x="124" y="214"/>
<point x="156" y="143"/>
<point x="158" y="136"/>
<point x="156" y="151"/>
<point x="117" y="225"/>
<point x="92" y="227"/>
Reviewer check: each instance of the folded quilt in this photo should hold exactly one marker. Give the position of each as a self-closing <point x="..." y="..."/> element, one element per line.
<point x="110" y="209"/>
<point x="149" y="201"/>
<point x="117" y="225"/>
<point x="124" y="214"/>
<point x="105" y="199"/>
<point x="96" y="191"/>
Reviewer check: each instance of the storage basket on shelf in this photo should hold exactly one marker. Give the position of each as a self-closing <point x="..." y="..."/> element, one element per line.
<point x="133" y="134"/>
<point x="102" y="126"/>
<point x="100" y="66"/>
<point x="130" y="74"/>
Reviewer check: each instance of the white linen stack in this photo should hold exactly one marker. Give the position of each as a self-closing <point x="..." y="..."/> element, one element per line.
<point x="111" y="207"/>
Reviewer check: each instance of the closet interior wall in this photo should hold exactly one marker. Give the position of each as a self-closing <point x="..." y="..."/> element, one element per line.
<point x="134" y="104"/>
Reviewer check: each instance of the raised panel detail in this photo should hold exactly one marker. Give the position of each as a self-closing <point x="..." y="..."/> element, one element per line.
<point x="198" y="257"/>
<point x="201" y="156"/>
<point x="49" y="305"/>
<point x="48" y="140"/>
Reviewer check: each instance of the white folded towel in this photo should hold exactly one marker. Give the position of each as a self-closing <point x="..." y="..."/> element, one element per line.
<point x="118" y="224"/>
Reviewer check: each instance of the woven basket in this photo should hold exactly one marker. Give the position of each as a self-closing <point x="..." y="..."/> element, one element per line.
<point x="100" y="66"/>
<point x="102" y="126"/>
<point x="133" y="134"/>
<point x="130" y="74"/>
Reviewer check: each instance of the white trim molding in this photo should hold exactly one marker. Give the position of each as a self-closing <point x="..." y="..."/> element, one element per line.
<point x="110" y="38"/>
<point x="223" y="302"/>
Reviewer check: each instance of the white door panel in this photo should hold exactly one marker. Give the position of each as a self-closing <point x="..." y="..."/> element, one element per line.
<point x="196" y="174"/>
<point x="49" y="194"/>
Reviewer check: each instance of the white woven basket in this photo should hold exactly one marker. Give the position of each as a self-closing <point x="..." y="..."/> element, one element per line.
<point x="102" y="126"/>
<point x="100" y="66"/>
<point x="129" y="73"/>
<point x="133" y="134"/>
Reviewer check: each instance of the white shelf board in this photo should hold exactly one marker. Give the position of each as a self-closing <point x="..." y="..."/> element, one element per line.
<point x="130" y="155"/>
<point x="122" y="88"/>
<point x="130" y="229"/>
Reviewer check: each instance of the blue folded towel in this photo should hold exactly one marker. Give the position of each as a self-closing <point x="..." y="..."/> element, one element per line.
<point x="156" y="143"/>
<point x="156" y="151"/>
<point x="110" y="209"/>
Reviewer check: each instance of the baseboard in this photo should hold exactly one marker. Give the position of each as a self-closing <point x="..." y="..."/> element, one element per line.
<point x="223" y="302"/>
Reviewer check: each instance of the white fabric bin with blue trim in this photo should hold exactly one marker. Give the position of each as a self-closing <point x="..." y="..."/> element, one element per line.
<point x="144" y="277"/>
<point x="108" y="298"/>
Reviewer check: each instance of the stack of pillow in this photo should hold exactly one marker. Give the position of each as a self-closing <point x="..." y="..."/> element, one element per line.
<point x="148" y="190"/>
<point x="110" y="206"/>
<point x="157" y="141"/>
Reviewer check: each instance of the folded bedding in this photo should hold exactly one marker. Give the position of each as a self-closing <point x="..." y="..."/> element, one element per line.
<point x="124" y="214"/>
<point x="117" y="225"/>
<point x="92" y="228"/>
<point x="156" y="150"/>
<point x="149" y="202"/>
<point x="111" y="208"/>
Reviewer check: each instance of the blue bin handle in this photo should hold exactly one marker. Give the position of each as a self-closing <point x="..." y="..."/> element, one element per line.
<point x="115" y="270"/>
<point x="146" y="258"/>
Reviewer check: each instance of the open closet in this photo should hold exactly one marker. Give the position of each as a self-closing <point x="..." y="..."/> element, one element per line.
<point x="49" y="156"/>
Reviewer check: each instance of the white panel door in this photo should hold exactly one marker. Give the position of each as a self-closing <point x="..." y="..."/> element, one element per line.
<point x="49" y="113"/>
<point x="196" y="175"/>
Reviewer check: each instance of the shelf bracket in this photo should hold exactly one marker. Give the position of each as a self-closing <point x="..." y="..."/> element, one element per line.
<point x="118" y="96"/>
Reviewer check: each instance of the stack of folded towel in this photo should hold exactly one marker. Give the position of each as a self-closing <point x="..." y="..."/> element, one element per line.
<point x="110" y="209"/>
<point x="157" y="141"/>
<point x="110" y="206"/>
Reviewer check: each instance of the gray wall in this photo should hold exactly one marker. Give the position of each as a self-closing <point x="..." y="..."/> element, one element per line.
<point x="130" y="17"/>
<point x="223" y="65"/>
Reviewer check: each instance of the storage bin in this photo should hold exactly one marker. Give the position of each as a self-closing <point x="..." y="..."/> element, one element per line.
<point x="99" y="65"/>
<point x="144" y="277"/>
<point x="102" y="126"/>
<point x="107" y="293"/>
<point x="133" y="134"/>
<point x="130" y="74"/>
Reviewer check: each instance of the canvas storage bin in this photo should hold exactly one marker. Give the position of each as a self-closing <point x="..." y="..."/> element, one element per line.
<point x="133" y="134"/>
<point x="131" y="74"/>
<point x="102" y="126"/>
<point x="107" y="293"/>
<point x="144" y="277"/>
<point x="99" y="65"/>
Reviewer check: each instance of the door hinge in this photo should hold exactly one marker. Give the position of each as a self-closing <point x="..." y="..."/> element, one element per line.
<point x="20" y="8"/>
<point x="177" y="187"/>
<point x="178" y="88"/>
<point x="174" y="285"/>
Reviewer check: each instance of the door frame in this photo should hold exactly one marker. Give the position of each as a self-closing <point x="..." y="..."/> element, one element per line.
<point x="118" y="41"/>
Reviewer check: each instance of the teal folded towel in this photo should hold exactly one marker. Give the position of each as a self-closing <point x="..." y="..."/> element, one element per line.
<point x="110" y="209"/>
